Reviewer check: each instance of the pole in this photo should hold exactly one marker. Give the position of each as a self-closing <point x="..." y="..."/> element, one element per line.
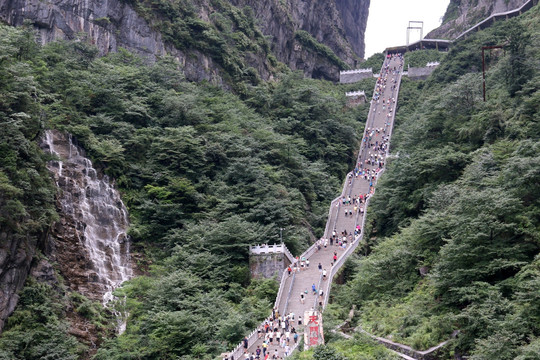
<point x="281" y="235"/>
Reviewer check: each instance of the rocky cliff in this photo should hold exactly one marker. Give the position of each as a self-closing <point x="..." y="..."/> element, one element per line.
<point x="137" y="26"/>
<point x="16" y="254"/>
<point x="354" y="14"/>
<point x="109" y="24"/>
<point x="338" y="24"/>
<point x="462" y="14"/>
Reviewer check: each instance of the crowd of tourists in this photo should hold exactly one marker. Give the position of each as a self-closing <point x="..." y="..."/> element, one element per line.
<point x="277" y="330"/>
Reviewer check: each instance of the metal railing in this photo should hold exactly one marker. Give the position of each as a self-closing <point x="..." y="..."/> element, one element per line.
<point x="289" y="294"/>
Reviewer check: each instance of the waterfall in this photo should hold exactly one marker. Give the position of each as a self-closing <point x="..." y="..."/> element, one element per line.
<point x="100" y="217"/>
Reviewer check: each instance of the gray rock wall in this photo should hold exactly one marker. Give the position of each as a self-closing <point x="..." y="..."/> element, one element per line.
<point x="267" y="265"/>
<point x="355" y="14"/>
<point x="420" y="73"/>
<point x="110" y="24"/>
<point x="16" y="254"/>
<point x="338" y="24"/>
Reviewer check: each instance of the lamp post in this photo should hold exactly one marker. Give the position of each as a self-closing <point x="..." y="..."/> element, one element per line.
<point x="281" y="235"/>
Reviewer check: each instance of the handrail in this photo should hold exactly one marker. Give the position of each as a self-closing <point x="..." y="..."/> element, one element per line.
<point x="288" y="254"/>
<point x="281" y="286"/>
<point x="317" y="295"/>
<point x="289" y="295"/>
<point x="329" y="216"/>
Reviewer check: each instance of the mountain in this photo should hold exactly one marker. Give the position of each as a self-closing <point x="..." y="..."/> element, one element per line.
<point x="462" y="14"/>
<point x="338" y="24"/>
<point x="200" y="172"/>
<point x="211" y="40"/>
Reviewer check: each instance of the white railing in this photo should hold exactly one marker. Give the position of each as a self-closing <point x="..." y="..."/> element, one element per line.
<point x="332" y="205"/>
<point x="289" y="295"/>
<point x="275" y="248"/>
<point x="355" y="71"/>
<point x="356" y="93"/>
<point x="288" y="254"/>
<point x="265" y="248"/>
<point x="281" y="288"/>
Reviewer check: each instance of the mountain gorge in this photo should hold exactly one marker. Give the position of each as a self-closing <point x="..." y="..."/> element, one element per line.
<point x="208" y="135"/>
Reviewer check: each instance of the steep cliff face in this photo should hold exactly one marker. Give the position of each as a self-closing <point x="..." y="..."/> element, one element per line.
<point x="111" y="24"/>
<point x="338" y="24"/>
<point x="354" y="14"/>
<point x="462" y="14"/>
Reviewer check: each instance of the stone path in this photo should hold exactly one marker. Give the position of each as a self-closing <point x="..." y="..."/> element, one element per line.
<point x="338" y="221"/>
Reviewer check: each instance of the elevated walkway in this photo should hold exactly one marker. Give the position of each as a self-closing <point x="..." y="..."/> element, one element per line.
<point x="444" y="45"/>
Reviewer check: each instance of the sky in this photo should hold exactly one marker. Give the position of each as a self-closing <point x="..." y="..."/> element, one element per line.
<point x="388" y="21"/>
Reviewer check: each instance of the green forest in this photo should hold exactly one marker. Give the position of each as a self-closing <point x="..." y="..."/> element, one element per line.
<point x="202" y="171"/>
<point x="452" y="241"/>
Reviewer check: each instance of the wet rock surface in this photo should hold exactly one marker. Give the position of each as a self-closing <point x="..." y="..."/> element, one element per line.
<point x="89" y="243"/>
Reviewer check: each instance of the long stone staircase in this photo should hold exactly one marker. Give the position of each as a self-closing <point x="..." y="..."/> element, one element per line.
<point x="345" y="224"/>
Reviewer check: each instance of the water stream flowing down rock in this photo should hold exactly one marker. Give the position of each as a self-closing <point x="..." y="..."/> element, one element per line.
<point x="90" y="240"/>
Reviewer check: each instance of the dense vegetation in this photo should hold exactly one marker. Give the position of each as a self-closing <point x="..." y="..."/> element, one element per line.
<point x="374" y="62"/>
<point x="37" y="329"/>
<point x="310" y="42"/>
<point x="203" y="172"/>
<point x="26" y="195"/>
<point x="455" y="221"/>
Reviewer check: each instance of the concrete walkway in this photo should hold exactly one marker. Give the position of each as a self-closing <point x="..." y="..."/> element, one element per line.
<point x="339" y="221"/>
